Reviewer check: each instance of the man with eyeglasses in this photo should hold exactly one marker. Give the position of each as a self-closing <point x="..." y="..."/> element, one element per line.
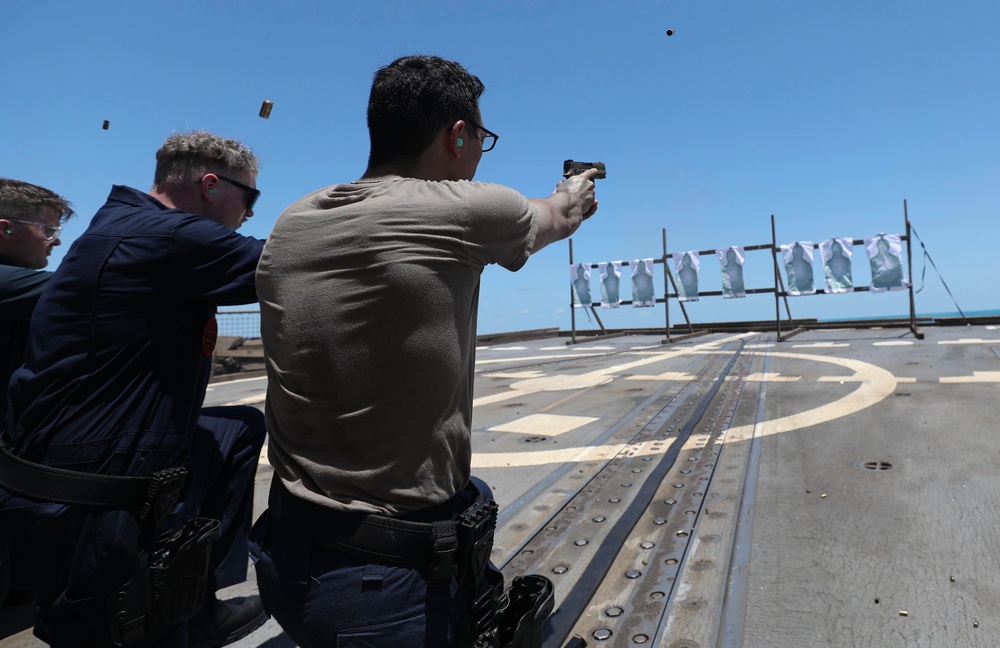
<point x="31" y="218"/>
<point x="368" y="293"/>
<point x="112" y="386"/>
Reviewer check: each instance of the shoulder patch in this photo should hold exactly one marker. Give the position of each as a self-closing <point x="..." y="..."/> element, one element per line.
<point x="209" y="336"/>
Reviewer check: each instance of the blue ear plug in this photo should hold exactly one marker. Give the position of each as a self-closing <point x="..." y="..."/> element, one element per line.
<point x="211" y="192"/>
<point x="459" y="141"/>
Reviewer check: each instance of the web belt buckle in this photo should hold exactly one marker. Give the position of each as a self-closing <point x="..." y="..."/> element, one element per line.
<point x="161" y="496"/>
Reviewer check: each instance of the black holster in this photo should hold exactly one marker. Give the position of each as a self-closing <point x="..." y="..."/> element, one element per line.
<point x="523" y="609"/>
<point x="498" y="619"/>
<point x="169" y="584"/>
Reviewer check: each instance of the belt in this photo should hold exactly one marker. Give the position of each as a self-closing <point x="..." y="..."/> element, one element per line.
<point x="151" y="496"/>
<point x="378" y="537"/>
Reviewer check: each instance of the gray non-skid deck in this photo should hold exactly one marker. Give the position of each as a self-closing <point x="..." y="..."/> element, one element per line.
<point x="836" y="489"/>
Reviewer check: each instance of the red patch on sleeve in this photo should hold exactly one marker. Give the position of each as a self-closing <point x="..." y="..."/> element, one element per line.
<point x="208" y="337"/>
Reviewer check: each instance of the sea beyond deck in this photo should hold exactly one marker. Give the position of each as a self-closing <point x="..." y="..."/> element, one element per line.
<point x="839" y="488"/>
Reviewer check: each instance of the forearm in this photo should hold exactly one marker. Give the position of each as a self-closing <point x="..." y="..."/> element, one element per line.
<point x="559" y="216"/>
<point x="562" y="213"/>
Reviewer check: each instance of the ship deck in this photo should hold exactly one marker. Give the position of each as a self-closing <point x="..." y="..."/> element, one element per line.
<point x="839" y="488"/>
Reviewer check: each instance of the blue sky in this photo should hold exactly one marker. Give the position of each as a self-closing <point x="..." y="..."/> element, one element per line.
<point x="825" y="113"/>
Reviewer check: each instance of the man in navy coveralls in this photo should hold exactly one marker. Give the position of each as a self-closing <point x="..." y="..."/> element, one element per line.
<point x="113" y="383"/>
<point x="31" y="218"/>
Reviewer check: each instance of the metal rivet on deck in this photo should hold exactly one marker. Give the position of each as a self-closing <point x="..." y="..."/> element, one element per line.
<point x="633" y="573"/>
<point x="637" y="470"/>
<point x="685" y="472"/>
<point x="581" y="542"/>
<point x="647" y="545"/>
<point x="602" y="634"/>
<point x="614" y="611"/>
<point x="659" y="521"/>
<point x="682" y="534"/>
<point x="626" y="484"/>
<point x="657" y="595"/>
<point x="671" y="561"/>
<point x="560" y="569"/>
<point x="670" y="502"/>
<point x="599" y="518"/>
<point x="678" y="485"/>
<point x="640" y="638"/>
<point x="615" y="500"/>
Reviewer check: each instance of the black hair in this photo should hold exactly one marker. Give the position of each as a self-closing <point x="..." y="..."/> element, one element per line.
<point x="414" y="97"/>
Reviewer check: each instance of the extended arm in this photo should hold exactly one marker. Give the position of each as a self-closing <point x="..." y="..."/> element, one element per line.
<point x="562" y="213"/>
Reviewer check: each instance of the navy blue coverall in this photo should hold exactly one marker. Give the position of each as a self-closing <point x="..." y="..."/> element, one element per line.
<point x="113" y="383"/>
<point x="20" y="289"/>
<point x="19" y="292"/>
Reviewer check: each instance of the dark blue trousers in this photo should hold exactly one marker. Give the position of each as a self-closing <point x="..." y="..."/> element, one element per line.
<point x="74" y="557"/>
<point x="324" y="598"/>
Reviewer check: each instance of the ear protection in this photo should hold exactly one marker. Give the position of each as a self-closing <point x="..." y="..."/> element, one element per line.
<point x="211" y="192"/>
<point x="7" y="232"/>
<point x="459" y="142"/>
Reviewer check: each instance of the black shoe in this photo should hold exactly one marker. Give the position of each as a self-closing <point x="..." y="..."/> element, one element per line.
<point x="222" y="622"/>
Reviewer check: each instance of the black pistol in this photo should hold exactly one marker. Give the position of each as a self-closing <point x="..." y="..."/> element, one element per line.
<point x="571" y="168"/>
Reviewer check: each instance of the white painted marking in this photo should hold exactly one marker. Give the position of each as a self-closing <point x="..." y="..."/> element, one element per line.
<point x="600" y="376"/>
<point x="544" y="424"/>
<point x="562" y="382"/>
<point x="968" y="341"/>
<point x="976" y="377"/>
<point x="496" y="398"/>
<point x="875" y="385"/>
<point x="893" y="343"/>
<point x="505" y="348"/>
<point x="517" y="375"/>
<point x="525" y="358"/>
<point x="575" y="347"/>
<point x="821" y="345"/>
<point x="771" y="377"/>
<point x="670" y="375"/>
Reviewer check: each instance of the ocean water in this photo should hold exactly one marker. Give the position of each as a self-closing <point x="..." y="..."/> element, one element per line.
<point x="923" y="316"/>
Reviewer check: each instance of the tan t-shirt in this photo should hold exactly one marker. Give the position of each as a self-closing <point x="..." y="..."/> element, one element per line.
<point x="368" y="296"/>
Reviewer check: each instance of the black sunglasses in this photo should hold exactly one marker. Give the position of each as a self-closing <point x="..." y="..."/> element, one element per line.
<point x="249" y="193"/>
<point x="489" y="137"/>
